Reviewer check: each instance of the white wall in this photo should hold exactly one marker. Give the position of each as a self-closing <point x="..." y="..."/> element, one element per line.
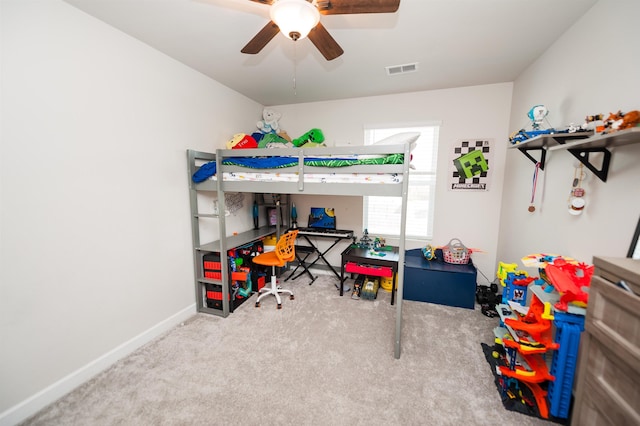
<point x="95" y="226"/>
<point x="95" y="239"/>
<point x="468" y="112"/>
<point x="593" y="68"/>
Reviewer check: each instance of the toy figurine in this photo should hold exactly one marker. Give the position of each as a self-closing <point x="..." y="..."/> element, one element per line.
<point x="537" y="115"/>
<point x="619" y="121"/>
<point x="365" y="241"/>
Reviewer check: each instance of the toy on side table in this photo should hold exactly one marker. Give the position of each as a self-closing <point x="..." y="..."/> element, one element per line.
<point x="365" y="241"/>
<point x="429" y="252"/>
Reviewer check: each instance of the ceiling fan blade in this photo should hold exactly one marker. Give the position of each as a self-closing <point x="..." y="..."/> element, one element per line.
<point x="345" y="7"/>
<point x="326" y="44"/>
<point x="263" y="1"/>
<point x="261" y="39"/>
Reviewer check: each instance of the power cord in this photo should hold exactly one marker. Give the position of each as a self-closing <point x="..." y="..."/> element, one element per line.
<point x="485" y="277"/>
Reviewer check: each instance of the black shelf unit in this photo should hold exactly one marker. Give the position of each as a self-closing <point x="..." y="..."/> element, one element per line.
<point x="581" y="145"/>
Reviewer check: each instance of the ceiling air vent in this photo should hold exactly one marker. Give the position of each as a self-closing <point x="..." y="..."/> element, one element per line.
<point x="402" y="69"/>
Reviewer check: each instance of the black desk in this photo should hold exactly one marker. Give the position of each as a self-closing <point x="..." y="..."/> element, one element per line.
<point x="365" y="257"/>
<point x="311" y="248"/>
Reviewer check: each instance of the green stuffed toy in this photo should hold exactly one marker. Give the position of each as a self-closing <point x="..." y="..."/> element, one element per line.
<point x="312" y="138"/>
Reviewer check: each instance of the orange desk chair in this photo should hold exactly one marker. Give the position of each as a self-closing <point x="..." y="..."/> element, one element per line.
<point x="284" y="252"/>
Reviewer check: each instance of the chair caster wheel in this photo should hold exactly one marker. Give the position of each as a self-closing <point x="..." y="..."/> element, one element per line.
<point x="257" y="304"/>
<point x="279" y="305"/>
<point x="291" y="297"/>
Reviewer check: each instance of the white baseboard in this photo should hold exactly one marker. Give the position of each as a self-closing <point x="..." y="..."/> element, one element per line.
<point x="57" y="390"/>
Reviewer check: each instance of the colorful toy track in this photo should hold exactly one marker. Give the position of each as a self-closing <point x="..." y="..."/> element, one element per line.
<point x="536" y="323"/>
<point x="568" y="279"/>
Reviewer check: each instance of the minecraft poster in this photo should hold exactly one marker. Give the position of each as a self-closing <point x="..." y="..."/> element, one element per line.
<point x="471" y="165"/>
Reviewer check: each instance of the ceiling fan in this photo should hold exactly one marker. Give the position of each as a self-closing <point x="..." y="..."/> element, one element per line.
<point x="298" y="19"/>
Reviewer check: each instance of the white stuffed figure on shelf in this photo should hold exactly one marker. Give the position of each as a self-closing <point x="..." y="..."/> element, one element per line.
<point x="269" y="122"/>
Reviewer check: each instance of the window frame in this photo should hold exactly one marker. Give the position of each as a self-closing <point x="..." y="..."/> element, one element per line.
<point x="424" y="179"/>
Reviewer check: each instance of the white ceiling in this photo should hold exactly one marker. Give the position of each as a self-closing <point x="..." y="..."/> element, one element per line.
<point x="456" y="43"/>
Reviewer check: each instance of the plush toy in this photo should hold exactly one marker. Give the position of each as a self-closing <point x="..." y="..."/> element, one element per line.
<point x="630" y="119"/>
<point x="312" y="138"/>
<point x="269" y="122"/>
<point x="272" y="140"/>
<point x="620" y="121"/>
<point x="241" y="141"/>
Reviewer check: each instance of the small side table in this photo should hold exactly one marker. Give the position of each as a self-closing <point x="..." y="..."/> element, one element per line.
<point x="361" y="256"/>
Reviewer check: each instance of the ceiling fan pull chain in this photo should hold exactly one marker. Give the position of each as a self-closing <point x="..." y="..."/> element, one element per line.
<point x="295" y="69"/>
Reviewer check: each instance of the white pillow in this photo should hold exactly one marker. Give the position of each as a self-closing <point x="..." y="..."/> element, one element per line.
<point x="400" y="138"/>
<point x="397" y="139"/>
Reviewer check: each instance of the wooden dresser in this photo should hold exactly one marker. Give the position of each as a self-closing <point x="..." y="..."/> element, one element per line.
<point x="608" y="384"/>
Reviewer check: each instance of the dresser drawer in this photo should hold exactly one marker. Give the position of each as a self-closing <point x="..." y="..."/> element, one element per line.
<point x="607" y="391"/>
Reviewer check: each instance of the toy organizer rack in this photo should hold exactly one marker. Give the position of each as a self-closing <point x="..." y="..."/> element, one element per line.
<point x="528" y="338"/>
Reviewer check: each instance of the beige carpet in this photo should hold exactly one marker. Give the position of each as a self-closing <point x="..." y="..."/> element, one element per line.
<point x="321" y="360"/>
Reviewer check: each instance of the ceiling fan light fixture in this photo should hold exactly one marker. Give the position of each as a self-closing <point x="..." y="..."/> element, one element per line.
<point x="295" y="18"/>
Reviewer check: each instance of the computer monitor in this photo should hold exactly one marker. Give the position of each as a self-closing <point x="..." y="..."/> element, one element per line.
<point x="322" y="217"/>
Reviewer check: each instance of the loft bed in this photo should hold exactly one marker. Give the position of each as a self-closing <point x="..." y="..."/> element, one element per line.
<point x="374" y="170"/>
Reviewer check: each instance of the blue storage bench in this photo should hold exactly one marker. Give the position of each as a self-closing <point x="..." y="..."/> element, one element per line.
<point x="437" y="282"/>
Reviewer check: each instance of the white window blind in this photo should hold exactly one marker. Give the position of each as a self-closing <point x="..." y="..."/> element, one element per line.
<point x="382" y="215"/>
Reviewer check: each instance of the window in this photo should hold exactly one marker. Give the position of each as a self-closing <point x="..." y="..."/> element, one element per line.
<point x="382" y="214"/>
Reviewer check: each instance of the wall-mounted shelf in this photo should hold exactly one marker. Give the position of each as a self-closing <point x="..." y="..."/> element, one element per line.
<point x="580" y="145"/>
<point x="610" y="140"/>
<point x="600" y="144"/>
<point x="543" y="142"/>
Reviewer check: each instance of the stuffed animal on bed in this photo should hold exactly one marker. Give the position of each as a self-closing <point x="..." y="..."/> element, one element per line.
<point x="313" y="137"/>
<point x="241" y="141"/>
<point x="269" y="122"/>
<point x="272" y="140"/>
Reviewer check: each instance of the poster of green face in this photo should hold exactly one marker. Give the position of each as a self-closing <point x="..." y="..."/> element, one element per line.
<point x="470" y="159"/>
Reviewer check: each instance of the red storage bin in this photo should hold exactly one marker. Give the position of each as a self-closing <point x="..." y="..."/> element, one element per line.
<point x="216" y="275"/>
<point x="372" y="270"/>
<point x="214" y="296"/>
<point x="211" y="261"/>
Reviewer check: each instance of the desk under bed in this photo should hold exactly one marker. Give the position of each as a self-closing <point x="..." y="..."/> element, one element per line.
<point x="308" y="178"/>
